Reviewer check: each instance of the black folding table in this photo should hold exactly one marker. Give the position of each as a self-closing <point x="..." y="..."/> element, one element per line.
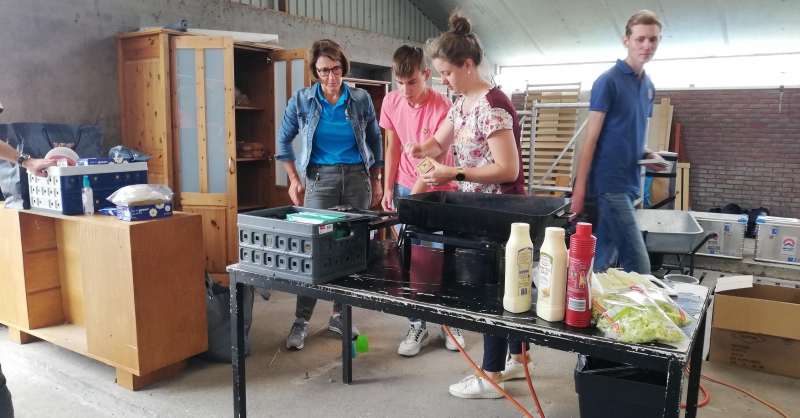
<point x="452" y="289"/>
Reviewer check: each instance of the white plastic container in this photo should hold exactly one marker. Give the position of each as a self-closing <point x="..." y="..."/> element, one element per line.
<point x="553" y="258"/>
<point x="519" y="269"/>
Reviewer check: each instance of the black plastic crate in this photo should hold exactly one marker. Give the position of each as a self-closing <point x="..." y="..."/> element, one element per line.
<point x="614" y="390"/>
<point x="308" y="253"/>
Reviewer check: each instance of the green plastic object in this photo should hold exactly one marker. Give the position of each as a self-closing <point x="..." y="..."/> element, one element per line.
<point x="362" y="344"/>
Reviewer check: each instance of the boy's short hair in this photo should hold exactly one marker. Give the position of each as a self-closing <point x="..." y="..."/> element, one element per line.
<point x="407" y="60"/>
<point x="642" y="17"/>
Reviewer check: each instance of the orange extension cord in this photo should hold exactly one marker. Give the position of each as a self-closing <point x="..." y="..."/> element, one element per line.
<point x="509" y="397"/>
<point x="705" y="401"/>
<point x="539" y="408"/>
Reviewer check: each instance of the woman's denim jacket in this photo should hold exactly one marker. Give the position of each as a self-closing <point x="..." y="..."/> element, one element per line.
<point x="302" y="116"/>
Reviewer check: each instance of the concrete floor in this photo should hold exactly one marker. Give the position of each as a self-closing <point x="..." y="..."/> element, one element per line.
<point x="48" y="381"/>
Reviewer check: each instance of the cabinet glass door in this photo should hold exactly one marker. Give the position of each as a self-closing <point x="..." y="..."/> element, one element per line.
<point x="204" y="140"/>
<point x="291" y="74"/>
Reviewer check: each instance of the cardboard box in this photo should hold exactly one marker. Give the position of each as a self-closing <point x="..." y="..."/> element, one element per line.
<point x="757" y="328"/>
<point x="145" y="212"/>
<point x="102" y="161"/>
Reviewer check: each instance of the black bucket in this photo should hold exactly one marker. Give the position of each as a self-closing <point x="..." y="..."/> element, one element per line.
<point x="614" y="390"/>
<point x="483" y="214"/>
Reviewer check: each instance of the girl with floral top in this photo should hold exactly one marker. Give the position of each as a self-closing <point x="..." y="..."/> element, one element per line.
<point x="483" y="128"/>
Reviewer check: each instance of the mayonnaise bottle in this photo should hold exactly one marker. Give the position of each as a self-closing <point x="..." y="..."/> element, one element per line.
<point x="553" y="260"/>
<point x="519" y="265"/>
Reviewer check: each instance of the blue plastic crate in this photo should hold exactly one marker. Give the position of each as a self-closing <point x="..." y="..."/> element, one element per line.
<point x="60" y="191"/>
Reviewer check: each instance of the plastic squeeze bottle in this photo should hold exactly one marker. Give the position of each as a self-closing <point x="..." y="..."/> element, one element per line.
<point x="579" y="269"/>
<point x="552" y="276"/>
<point x="519" y="263"/>
<point x="87" y="197"/>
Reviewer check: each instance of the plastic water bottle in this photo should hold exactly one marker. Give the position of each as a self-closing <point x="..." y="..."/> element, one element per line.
<point x="87" y="197"/>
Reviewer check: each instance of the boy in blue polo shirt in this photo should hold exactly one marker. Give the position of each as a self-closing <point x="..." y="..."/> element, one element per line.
<point x="608" y="173"/>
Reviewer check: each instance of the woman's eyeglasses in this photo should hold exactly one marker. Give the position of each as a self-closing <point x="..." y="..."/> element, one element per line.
<point x="324" y="72"/>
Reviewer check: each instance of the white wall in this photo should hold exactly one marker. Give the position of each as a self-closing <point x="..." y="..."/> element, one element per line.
<point x="722" y="72"/>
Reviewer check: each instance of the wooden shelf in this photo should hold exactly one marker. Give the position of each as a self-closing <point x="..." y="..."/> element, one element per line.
<point x="69" y="336"/>
<point x="251" y="207"/>
<point x="248" y="108"/>
<point x="251" y="159"/>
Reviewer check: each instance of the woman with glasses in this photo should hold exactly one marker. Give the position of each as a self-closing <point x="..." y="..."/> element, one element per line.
<point x="341" y="155"/>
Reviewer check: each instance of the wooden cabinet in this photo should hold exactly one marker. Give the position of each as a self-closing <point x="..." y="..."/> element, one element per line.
<point x="178" y="103"/>
<point x="129" y="294"/>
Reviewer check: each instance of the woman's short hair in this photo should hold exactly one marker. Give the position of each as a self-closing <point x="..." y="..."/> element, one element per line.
<point x="330" y="49"/>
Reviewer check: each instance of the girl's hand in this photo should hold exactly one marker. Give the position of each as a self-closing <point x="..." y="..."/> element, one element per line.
<point x="440" y="175"/>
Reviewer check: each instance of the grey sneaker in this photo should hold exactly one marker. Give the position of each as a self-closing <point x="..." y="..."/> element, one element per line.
<point x="336" y="323"/>
<point x="297" y="336"/>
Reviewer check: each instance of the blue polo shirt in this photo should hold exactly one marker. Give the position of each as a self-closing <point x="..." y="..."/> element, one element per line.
<point x="627" y="103"/>
<point x="334" y="140"/>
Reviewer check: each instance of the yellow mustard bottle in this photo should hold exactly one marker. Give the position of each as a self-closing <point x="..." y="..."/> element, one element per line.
<point x="519" y="265"/>
<point x="553" y="259"/>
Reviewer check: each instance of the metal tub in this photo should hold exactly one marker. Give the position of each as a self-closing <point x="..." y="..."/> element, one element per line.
<point x="730" y="231"/>
<point x="669" y="231"/>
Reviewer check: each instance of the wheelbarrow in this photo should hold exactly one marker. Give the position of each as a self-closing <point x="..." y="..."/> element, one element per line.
<point x="671" y="232"/>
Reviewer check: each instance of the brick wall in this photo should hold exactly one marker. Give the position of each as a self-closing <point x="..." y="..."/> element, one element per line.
<point x="741" y="149"/>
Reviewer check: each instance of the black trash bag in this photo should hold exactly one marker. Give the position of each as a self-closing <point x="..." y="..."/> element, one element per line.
<point x="36" y="140"/>
<point x="733" y="209"/>
<point x="218" y="309"/>
<point x="752" y="217"/>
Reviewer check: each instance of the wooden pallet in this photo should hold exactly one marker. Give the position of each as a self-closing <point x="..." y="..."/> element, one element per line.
<point x="553" y="130"/>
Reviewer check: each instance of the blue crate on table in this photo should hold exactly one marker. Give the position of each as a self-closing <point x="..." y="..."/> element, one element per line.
<point x="60" y="191"/>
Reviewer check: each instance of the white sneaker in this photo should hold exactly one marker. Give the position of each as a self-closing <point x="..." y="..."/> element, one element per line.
<point x="515" y="370"/>
<point x="449" y="343"/>
<point x="474" y="387"/>
<point x="416" y="338"/>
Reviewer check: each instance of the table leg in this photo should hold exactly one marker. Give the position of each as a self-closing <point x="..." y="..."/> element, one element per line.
<point x="347" y="348"/>
<point x="448" y="248"/>
<point x="672" y="404"/>
<point x="237" y="350"/>
<point x="406" y="252"/>
<point x="693" y="386"/>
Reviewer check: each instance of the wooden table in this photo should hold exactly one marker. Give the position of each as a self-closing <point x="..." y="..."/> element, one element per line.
<point x="452" y="289"/>
<point x="129" y="294"/>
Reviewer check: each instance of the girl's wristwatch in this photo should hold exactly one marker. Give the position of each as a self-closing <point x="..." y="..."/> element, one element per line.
<point x="460" y="175"/>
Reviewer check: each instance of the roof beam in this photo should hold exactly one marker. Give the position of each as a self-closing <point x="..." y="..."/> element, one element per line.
<point x="722" y="22"/>
<point x="524" y="28"/>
